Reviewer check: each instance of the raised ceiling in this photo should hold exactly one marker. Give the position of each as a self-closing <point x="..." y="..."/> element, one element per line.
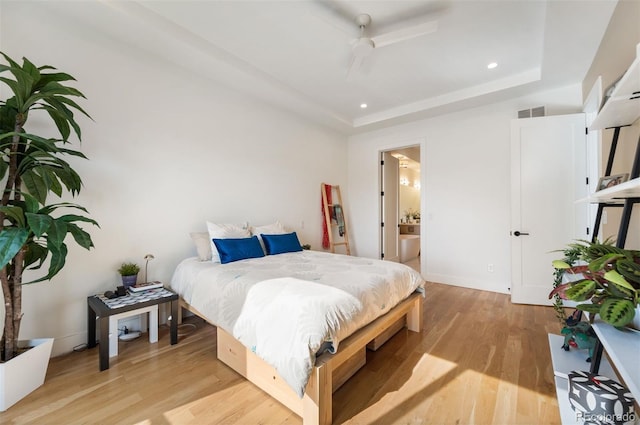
<point x="295" y="54"/>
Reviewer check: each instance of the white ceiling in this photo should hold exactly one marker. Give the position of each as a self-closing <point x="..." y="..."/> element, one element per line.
<point x="295" y="54"/>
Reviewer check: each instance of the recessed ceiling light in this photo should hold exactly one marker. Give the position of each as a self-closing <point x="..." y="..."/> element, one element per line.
<point x="363" y="105"/>
<point x="492" y="65"/>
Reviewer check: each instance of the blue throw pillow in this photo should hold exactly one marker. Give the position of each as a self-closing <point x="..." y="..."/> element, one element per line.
<point x="234" y="249"/>
<point x="279" y="244"/>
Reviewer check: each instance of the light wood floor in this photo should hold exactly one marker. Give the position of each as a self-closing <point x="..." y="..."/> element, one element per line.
<point x="479" y="360"/>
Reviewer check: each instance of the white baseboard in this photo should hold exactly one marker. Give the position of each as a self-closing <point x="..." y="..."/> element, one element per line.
<point x="499" y="287"/>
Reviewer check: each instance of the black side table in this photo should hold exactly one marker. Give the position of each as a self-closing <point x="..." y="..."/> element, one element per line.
<point x="100" y="308"/>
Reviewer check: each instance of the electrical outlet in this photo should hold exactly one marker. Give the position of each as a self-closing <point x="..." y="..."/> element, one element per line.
<point x="490" y="267"/>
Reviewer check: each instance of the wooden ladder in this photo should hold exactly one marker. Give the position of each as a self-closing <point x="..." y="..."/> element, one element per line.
<point x="334" y="209"/>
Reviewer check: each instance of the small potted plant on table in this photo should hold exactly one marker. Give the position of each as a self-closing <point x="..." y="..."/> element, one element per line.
<point x="129" y="273"/>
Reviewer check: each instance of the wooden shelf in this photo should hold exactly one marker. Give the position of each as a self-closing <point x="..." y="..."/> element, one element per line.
<point x="623" y="107"/>
<point x="616" y="194"/>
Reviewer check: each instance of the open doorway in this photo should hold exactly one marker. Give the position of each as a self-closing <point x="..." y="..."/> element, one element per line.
<point x="400" y="205"/>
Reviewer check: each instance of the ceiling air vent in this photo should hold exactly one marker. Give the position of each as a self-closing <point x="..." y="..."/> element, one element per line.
<point x="533" y="112"/>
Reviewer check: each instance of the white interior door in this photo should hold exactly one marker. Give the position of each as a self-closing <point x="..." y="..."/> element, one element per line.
<point x="545" y="152"/>
<point x="389" y="188"/>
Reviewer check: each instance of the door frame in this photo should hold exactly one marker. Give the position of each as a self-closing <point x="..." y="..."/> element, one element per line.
<point x="422" y="144"/>
<point x="386" y="195"/>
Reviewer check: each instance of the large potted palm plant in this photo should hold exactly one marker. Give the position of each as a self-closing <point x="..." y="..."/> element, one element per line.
<point x="32" y="231"/>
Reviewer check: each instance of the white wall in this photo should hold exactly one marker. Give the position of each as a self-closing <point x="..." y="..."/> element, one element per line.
<point x="168" y="150"/>
<point x="409" y="196"/>
<point x="465" y="165"/>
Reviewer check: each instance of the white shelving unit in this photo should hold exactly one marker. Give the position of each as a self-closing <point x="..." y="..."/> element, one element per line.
<point x="563" y="363"/>
<point x="615" y="194"/>
<point x="623" y="107"/>
<point x="621" y="347"/>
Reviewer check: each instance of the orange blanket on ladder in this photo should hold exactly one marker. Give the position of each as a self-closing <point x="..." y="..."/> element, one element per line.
<point x="325" y="230"/>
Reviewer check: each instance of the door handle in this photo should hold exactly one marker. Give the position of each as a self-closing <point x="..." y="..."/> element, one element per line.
<point x="519" y="233"/>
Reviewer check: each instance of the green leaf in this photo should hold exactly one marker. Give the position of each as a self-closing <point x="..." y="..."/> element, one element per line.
<point x="58" y="259"/>
<point x="581" y="290"/>
<point x="601" y="262"/>
<point x="560" y="265"/>
<point x="618" y="279"/>
<point x="60" y="121"/>
<point x="73" y="104"/>
<point x="68" y="218"/>
<point x="56" y="233"/>
<point x="35" y="186"/>
<point x="619" y="291"/>
<point x="39" y="223"/>
<point x="81" y="237"/>
<point x="64" y="111"/>
<point x="51" y="179"/>
<point x="629" y="269"/>
<point x="45" y="78"/>
<point x="72" y="152"/>
<point x="13" y="63"/>
<point x="30" y="203"/>
<point x="36" y="253"/>
<point x="48" y="209"/>
<point x="14" y="213"/>
<point x="590" y="308"/>
<point x="31" y="69"/>
<point x="617" y="312"/>
<point x="11" y="241"/>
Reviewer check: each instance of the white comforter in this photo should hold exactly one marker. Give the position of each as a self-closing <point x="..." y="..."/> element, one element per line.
<point x="285" y="307"/>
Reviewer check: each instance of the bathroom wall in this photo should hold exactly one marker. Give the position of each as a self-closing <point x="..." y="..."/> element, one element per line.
<point x="409" y="199"/>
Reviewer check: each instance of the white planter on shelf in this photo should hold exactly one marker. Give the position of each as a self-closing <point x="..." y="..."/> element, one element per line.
<point x="636" y="320"/>
<point x="23" y="374"/>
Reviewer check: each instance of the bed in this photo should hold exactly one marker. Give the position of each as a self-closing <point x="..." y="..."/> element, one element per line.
<point x="298" y="324"/>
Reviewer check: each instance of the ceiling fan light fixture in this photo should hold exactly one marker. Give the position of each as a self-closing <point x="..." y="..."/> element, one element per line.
<point x="363" y="106"/>
<point x="492" y="65"/>
<point x="363" y="47"/>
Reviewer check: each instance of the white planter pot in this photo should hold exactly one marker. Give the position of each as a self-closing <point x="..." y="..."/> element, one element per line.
<point x="24" y="373"/>
<point x="636" y="320"/>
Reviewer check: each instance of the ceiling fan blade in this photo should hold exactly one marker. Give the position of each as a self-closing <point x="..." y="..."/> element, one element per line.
<point x="402" y="34"/>
<point x="356" y="62"/>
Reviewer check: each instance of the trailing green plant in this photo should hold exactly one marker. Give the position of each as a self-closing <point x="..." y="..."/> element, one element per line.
<point x="128" y="269"/>
<point x="571" y="256"/>
<point x="610" y="280"/>
<point x="32" y="168"/>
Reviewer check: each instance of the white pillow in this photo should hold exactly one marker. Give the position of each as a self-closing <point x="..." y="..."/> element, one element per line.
<point x="224" y="231"/>
<point x="268" y="229"/>
<point x="203" y="245"/>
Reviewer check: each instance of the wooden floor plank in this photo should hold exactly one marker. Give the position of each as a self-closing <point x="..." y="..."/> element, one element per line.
<point x="478" y="360"/>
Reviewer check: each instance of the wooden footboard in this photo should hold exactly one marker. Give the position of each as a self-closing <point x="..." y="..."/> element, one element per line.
<point x="330" y="370"/>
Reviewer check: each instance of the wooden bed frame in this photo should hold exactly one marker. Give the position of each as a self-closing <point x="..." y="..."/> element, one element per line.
<point x="330" y="370"/>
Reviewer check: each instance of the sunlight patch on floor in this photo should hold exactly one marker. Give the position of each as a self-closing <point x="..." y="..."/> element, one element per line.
<point x="215" y="406"/>
<point x="403" y="390"/>
<point x="427" y="393"/>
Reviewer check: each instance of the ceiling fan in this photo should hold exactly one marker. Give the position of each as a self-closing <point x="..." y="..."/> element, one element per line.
<point x="364" y="46"/>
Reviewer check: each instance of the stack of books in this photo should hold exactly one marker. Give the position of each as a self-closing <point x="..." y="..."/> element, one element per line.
<point x="138" y="287"/>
